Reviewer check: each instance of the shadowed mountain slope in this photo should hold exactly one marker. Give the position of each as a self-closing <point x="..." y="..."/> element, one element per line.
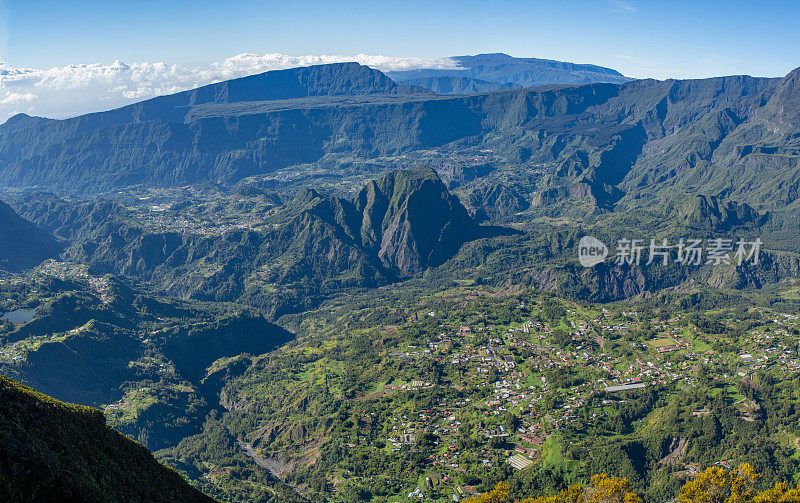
<point x="23" y="244"/>
<point x="53" y="452"/>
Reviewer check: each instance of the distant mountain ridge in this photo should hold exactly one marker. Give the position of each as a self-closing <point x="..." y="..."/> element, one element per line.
<point x="341" y="79"/>
<point x="458" y="85"/>
<point x="154" y="130"/>
<point x="492" y="72"/>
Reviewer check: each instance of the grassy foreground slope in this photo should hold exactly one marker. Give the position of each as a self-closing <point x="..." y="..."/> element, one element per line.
<point x="53" y="451"/>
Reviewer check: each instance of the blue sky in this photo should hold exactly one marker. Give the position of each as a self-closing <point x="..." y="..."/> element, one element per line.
<point x="60" y="59"/>
<point x="676" y="38"/>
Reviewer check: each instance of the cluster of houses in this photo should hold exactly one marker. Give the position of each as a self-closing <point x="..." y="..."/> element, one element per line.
<point x="158" y="219"/>
<point x="62" y="270"/>
<point x="484" y="356"/>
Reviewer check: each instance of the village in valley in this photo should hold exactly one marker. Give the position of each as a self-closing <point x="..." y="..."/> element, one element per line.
<point x="467" y="385"/>
<point x="528" y="380"/>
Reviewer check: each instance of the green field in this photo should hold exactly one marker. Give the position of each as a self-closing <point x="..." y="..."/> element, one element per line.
<point x="661" y="342"/>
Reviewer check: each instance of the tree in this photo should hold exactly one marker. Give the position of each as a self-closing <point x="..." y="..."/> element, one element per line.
<point x="715" y="485"/>
<point x="553" y="311"/>
<point x="497" y="495"/>
<point x="603" y="489"/>
<point x="780" y="493"/>
<point x="512" y="422"/>
<point x="560" y="338"/>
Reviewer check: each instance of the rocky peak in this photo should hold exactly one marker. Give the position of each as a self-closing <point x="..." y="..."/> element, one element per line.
<point x="411" y="220"/>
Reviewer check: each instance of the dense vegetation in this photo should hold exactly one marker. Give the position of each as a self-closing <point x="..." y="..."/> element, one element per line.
<point x="715" y="484"/>
<point x="306" y="322"/>
<point x="331" y="411"/>
<point x="51" y="451"/>
<point x="142" y="358"/>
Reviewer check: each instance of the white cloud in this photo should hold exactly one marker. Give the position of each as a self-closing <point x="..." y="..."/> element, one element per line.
<point x="621" y="7"/>
<point x="76" y="89"/>
<point x="17" y="98"/>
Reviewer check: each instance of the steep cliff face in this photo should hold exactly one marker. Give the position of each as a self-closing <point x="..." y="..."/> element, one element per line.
<point x="711" y="213"/>
<point x="412" y="221"/>
<point x="395" y="226"/>
<point x="786" y="99"/>
<point x="342" y="79"/>
<point x="458" y="85"/>
<point x="496" y="202"/>
<point x="188" y="136"/>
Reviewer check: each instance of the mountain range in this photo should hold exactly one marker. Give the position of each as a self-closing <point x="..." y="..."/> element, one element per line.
<point x="622" y="144"/>
<point x="712" y="154"/>
<point x="360" y="210"/>
<point x="495" y="72"/>
<point x="396" y="226"/>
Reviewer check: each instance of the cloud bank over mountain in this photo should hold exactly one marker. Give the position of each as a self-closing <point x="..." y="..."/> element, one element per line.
<point x="67" y="91"/>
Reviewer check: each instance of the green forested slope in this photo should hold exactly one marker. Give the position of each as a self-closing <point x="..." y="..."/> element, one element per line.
<point x="51" y="451"/>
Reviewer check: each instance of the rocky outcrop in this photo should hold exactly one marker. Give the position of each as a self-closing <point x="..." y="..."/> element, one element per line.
<point x="396" y="226"/>
<point x="711" y="213"/>
<point x="411" y="221"/>
<point x="496" y="202"/>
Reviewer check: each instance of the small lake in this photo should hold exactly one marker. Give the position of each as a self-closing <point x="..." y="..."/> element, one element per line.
<point x="19" y="316"/>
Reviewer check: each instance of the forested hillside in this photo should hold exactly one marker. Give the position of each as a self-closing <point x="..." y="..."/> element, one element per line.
<point x="52" y="452"/>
